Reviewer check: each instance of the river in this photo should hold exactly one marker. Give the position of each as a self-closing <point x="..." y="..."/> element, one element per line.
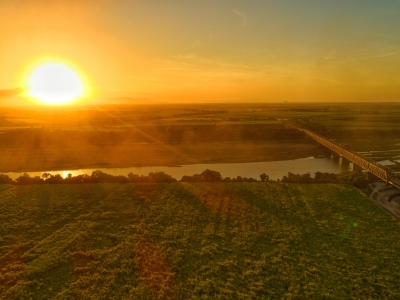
<point x="275" y="169"/>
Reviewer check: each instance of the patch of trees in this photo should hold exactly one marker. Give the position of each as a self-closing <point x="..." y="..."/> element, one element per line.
<point x="358" y="179"/>
<point x="153" y="177"/>
<point x="5" y="179"/>
<point x="96" y="177"/>
<point x="214" y="176"/>
<point x="306" y="178"/>
<point x="206" y="176"/>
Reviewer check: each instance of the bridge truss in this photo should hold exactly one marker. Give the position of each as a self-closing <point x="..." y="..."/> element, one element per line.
<point x="382" y="172"/>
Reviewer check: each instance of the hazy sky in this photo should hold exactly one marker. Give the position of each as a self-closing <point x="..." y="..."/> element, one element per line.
<point x="212" y="50"/>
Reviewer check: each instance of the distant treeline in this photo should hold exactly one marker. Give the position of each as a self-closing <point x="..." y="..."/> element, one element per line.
<point x="206" y="176"/>
<point x="150" y="134"/>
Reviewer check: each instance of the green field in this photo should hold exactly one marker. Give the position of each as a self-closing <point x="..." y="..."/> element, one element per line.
<point x="196" y="241"/>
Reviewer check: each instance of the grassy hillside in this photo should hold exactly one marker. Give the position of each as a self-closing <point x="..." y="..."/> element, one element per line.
<point x="195" y="241"/>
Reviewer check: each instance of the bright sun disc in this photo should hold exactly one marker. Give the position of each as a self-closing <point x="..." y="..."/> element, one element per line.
<point x="55" y="83"/>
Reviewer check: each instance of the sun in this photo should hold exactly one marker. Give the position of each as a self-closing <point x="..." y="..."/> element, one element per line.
<point x="54" y="83"/>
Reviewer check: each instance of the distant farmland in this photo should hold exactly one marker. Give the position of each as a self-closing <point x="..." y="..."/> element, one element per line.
<point x="195" y="241"/>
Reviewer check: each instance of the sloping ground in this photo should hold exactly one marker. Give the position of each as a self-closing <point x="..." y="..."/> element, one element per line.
<point x="386" y="196"/>
<point x="196" y="241"/>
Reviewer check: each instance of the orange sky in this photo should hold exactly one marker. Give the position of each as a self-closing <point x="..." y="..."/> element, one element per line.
<point x="211" y="51"/>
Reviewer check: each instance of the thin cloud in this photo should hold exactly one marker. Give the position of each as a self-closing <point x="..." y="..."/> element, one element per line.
<point x="390" y="54"/>
<point x="242" y="16"/>
<point x="10" y="92"/>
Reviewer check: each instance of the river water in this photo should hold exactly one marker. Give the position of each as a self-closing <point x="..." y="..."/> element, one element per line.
<point x="275" y="169"/>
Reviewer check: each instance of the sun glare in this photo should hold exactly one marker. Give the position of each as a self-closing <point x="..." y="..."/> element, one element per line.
<point x="54" y="83"/>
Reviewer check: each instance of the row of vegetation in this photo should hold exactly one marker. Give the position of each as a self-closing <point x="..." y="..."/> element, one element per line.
<point x="358" y="179"/>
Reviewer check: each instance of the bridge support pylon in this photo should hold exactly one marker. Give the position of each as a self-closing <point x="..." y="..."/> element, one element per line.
<point x="357" y="168"/>
<point x="344" y="161"/>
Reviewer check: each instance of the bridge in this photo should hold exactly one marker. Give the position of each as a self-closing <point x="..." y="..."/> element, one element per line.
<point x="386" y="174"/>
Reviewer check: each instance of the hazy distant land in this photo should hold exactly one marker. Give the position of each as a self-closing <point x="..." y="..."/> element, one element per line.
<point x="57" y="138"/>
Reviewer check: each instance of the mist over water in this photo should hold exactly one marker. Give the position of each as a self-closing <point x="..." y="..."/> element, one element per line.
<point x="275" y="169"/>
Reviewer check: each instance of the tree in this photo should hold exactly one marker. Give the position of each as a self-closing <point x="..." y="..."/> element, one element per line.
<point x="55" y="179"/>
<point x="264" y="177"/>
<point x="360" y="182"/>
<point x="84" y="178"/>
<point x="186" y="178"/>
<point x="137" y="178"/>
<point x="24" y="179"/>
<point x="209" y="175"/>
<point x="5" y="179"/>
<point x="46" y="175"/>
<point x="227" y="179"/>
<point x="325" y="177"/>
<point x="99" y="176"/>
<point x="161" y="177"/>
<point x="306" y="178"/>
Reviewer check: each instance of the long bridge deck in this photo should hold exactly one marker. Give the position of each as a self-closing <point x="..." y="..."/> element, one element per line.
<point x="380" y="171"/>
